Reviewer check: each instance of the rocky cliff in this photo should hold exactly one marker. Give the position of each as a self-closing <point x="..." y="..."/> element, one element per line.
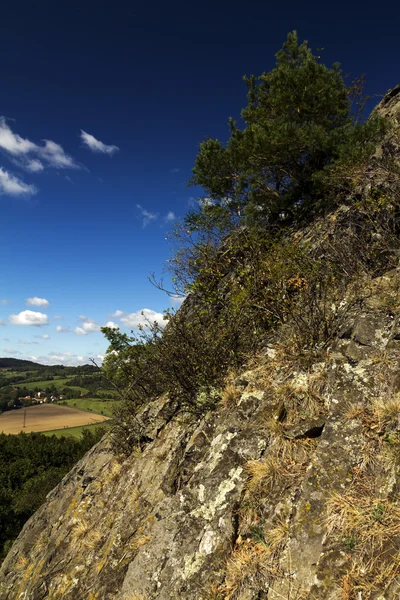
<point x="288" y="490"/>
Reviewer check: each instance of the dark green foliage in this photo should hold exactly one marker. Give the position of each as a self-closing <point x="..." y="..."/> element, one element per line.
<point x="298" y="127"/>
<point x="31" y="465"/>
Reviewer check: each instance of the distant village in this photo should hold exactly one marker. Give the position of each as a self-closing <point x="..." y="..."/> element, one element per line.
<point x="41" y="398"/>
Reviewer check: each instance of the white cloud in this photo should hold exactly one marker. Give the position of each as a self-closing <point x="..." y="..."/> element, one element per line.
<point x="34" y="166"/>
<point x="11" y="351"/>
<point x="11" y="185"/>
<point x="112" y="325"/>
<point x="57" y="317"/>
<point x="35" y="301"/>
<point x="45" y="336"/>
<point x="147" y="216"/>
<point x="143" y="317"/>
<point x="29" y="317"/>
<point x="170" y="217"/>
<point x="80" y="331"/>
<point x="26" y="342"/>
<point x="175" y="170"/>
<point x="118" y="313"/>
<point x="31" y="156"/>
<point x="61" y="329"/>
<point x="96" y="145"/>
<point x="88" y="326"/>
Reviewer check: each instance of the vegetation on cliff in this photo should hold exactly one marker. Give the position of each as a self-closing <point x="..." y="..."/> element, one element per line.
<point x="244" y="256"/>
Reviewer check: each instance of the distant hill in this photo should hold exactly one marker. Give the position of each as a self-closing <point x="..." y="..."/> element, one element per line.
<point x="19" y="365"/>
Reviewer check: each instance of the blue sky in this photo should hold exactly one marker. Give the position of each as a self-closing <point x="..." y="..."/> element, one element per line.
<point x="123" y="93"/>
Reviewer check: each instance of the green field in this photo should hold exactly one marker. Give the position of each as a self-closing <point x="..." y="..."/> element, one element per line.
<point x="30" y="385"/>
<point x="95" y="405"/>
<point x="75" y="431"/>
<point x="58" y="383"/>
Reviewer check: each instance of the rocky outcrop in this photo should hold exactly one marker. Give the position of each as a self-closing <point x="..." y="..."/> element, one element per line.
<point x="242" y="503"/>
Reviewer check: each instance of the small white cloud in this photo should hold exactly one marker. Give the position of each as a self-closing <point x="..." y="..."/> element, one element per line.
<point x="34" y="166"/>
<point x="57" y="317"/>
<point x="118" y="313"/>
<point x="175" y="170"/>
<point x="35" y="301"/>
<point x="170" y="216"/>
<point x="10" y="185"/>
<point x="11" y="351"/>
<point x="31" y="156"/>
<point x="29" y="317"/>
<point x="80" y="331"/>
<point x="96" y="145"/>
<point x="61" y="329"/>
<point x="88" y="326"/>
<point x="143" y="317"/>
<point x="45" y="336"/>
<point x="112" y="325"/>
<point x="26" y="342"/>
<point x="146" y="215"/>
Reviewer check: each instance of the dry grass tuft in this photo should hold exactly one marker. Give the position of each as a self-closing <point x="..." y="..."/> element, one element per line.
<point x="80" y="529"/>
<point x="387" y="410"/>
<point x="230" y="396"/>
<point x="115" y="470"/>
<point x="22" y="562"/>
<point x="263" y="473"/>
<point x="248" y="567"/>
<point x="139" y="541"/>
<point x="278" y="535"/>
<point x="133" y="596"/>
<point x="369" y="527"/>
<point x="92" y="539"/>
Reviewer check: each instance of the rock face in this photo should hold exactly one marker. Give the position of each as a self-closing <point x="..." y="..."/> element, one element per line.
<point x="236" y="505"/>
<point x="288" y="490"/>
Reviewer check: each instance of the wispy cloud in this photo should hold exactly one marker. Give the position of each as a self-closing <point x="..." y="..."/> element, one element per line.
<point x="96" y="145"/>
<point x="26" y="342"/>
<point x="31" y="156"/>
<point x="10" y="185"/>
<point x="29" y="317"/>
<point x="147" y="216"/>
<point x="60" y="329"/>
<point x="175" y="170"/>
<point x="169" y="217"/>
<point x="35" y="301"/>
<point x="2" y="322"/>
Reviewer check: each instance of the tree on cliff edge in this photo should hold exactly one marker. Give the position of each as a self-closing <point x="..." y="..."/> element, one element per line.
<point x="298" y="126"/>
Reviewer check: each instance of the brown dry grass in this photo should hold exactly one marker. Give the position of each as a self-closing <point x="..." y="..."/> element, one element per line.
<point x="248" y="567"/>
<point x="370" y="528"/>
<point x="230" y="396"/>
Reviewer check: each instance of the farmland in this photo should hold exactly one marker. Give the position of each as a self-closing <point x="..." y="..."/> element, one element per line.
<point x="76" y="432"/>
<point x="45" y="417"/>
<point x="101" y="407"/>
